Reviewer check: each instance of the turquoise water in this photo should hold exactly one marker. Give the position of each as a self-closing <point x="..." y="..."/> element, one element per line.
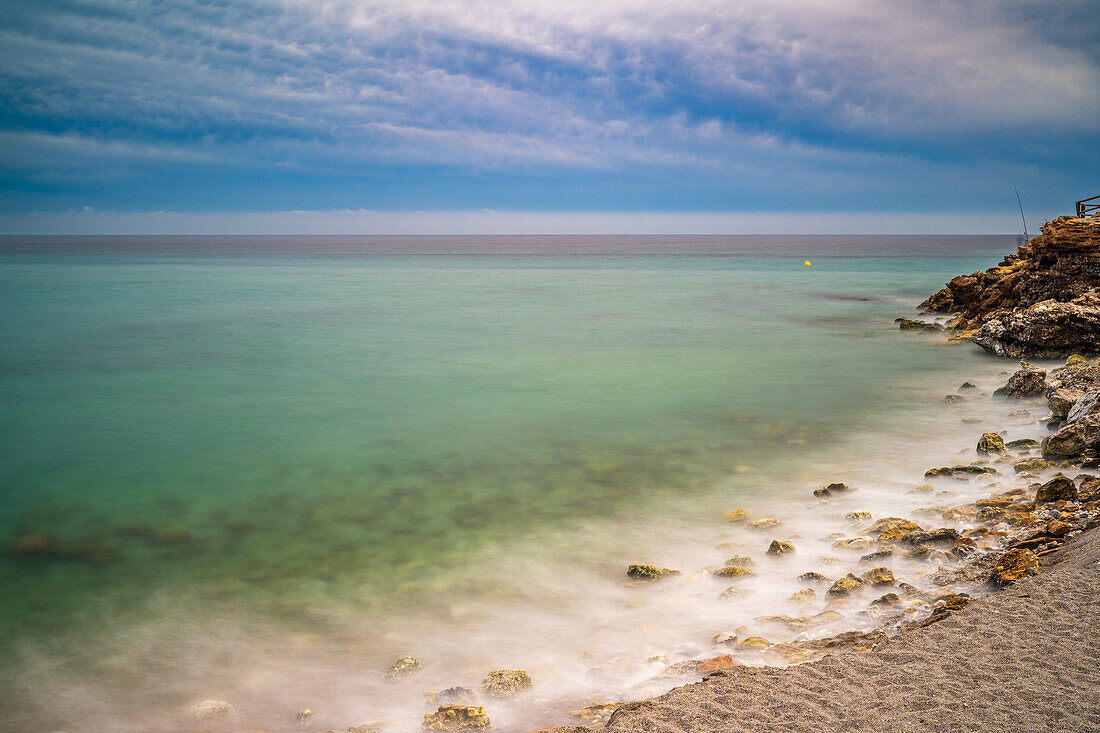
<point x="310" y="435"/>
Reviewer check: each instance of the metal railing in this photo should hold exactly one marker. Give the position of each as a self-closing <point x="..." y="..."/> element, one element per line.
<point x="1084" y="208"/>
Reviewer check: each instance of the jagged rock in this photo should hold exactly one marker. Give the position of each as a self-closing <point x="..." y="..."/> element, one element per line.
<point x="1061" y="400"/>
<point x="403" y="668"/>
<point x="457" y="717"/>
<point x="879" y="576"/>
<point x="777" y="548"/>
<point x="649" y="573"/>
<point x="1027" y="382"/>
<point x="992" y="443"/>
<point x="1073" y="440"/>
<point x="211" y="710"/>
<point x="1013" y="565"/>
<point x="833" y="489"/>
<point x="506" y="682"/>
<point x="846" y="586"/>
<point x="763" y="523"/>
<point x="1046" y="330"/>
<point x="1062" y="263"/>
<point x="1057" y="488"/>
<point x="1088" y="404"/>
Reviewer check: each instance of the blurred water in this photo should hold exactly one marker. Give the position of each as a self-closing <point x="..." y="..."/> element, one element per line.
<point x="371" y="445"/>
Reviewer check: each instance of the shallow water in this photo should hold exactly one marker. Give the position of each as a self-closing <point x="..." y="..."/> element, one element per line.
<point x="298" y="459"/>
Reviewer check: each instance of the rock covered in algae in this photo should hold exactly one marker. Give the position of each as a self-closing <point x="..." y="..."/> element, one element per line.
<point x="1032" y="465"/>
<point x="1013" y="565"/>
<point x="506" y="682"/>
<point x="879" y="576"/>
<point x="991" y="444"/>
<point x="806" y="595"/>
<point x="403" y="668"/>
<point x="846" y="586"/>
<point x="1057" y="488"/>
<point x="778" y="547"/>
<point x="457" y="717"/>
<point x="649" y="573"/>
<point x="734" y="571"/>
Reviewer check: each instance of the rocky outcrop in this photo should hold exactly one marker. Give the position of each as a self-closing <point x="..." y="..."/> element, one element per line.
<point x="1042" y="301"/>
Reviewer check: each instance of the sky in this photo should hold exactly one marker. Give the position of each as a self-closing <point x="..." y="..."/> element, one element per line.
<point x="514" y="116"/>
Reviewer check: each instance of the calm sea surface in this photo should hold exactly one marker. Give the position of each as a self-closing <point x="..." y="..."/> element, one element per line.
<point x="333" y="435"/>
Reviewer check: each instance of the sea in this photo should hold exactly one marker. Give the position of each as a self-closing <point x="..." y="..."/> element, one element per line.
<point x="261" y="469"/>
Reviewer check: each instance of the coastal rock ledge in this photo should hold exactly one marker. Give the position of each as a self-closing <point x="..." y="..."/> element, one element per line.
<point x="1043" y="301"/>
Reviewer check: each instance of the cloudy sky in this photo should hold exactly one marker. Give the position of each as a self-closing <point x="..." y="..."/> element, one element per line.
<point x="548" y="115"/>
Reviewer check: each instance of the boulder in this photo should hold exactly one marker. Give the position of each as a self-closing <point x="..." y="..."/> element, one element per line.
<point x="649" y="573"/>
<point x="879" y="576"/>
<point x="737" y="515"/>
<point x="1073" y="440"/>
<point x="506" y="682"/>
<point x="777" y="548"/>
<point x="457" y="717"/>
<point x="833" y="490"/>
<point x="992" y="444"/>
<point x="1061" y="400"/>
<point x="1013" y="565"/>
<point x="1057" y="488"/>
<point x="733" y="571"/>
<point x="1088" y="404"/>
<point x="1027" y="382"/>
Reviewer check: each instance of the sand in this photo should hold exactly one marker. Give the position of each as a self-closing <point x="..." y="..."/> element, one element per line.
<point x="1023" y="659"/>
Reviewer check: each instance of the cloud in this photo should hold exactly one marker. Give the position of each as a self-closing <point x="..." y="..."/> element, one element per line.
<point x="342" y="89"/>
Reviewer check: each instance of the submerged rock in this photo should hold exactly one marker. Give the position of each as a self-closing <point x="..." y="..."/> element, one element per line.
<point x="734" y="571"/>
<point x="992" y="443"/>
<point x="806" y="595"/>
<point x="733" y="593"/>
<point x="403" y="668"/>
<point x="1032" y="465"/>
<point x="833" y="489"/>
<point x="1013" y="565"/>
<point x="813" y="577"/>
<point x="1027" y="382"/>
<point x="649" y="573"/>
<point x="211" y="710"/>
<point x="763" y="523"/>
<point x="457" y="717"/>
<point x="452" y="696"/>
<point x="737" y="515"/>
<point x="854" y="543"/>
<point x="858" y="516"/>
<point x="506" y="682"/>
<point x="879" y="576"/>
<point x="597" y="712"/>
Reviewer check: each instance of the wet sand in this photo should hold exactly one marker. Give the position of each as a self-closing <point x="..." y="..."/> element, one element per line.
<point x="1023" y="659"/>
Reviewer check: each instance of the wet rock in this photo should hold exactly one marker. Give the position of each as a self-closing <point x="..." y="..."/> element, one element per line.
<point x="754" y="642"/>
<point x="1046" y="330"/>
<point x="889" y="599"/>
<point x="991" y="444"/>
<point x="734" y="571"/>
<point x="953" y="601"/>
<point x="963" y="547"/>
<point x="211" y="710"/>
<point x="1032" y="466"/>
<point x="737" y="515"/>
<point x="953" y="398"/>
<point x="1013" y="565"/>
<point x="832" y="490"/>
<point x="938" y="614"/>
<point x="1022" y="443"/>
<point x="1027" y="382"/>
<point x="1058" y="488"/>
<point x="403" y="668"/>
<point x="763" y="523"/>
<point x="1088" y="404"/>
<point x="649" y="573"/>
<point x="813" y="577"/>
<point x="854" y="543"/>
<point x="858" y="516"/>
<point x="806" y="595"/>
<point x="451" y="696"/>
<point x="598" y="713"/>
<point x="375" y="726"/>
<point x="949" y="471"/>
<point x="907" y="324"/>
<point x="967" y="385"/>
<point x="889" y="523"/>
<point x="846" y="586"/>
<point x="1073" y="440"/>
<point x="733" y="593"/>
<point x="777" y="548"/>
<point x="943" y="535"/>
<point x="457" y="717"/>
<point x="1061" y="400"/>
<point x="506" y="682"/>
<point x="879" y="576"/>
<point x="724" y="661"/>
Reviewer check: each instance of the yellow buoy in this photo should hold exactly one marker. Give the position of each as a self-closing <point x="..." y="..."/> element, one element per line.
<point x="807" y="263"/>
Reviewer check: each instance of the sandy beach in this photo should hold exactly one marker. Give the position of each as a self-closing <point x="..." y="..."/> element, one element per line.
<point x="1024" y="659"/>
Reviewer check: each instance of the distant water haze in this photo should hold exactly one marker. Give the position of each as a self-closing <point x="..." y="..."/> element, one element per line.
<point x="298" y="458"/>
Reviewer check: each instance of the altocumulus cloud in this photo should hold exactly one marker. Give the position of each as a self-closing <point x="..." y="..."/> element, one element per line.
<point x="759" y="105"/>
